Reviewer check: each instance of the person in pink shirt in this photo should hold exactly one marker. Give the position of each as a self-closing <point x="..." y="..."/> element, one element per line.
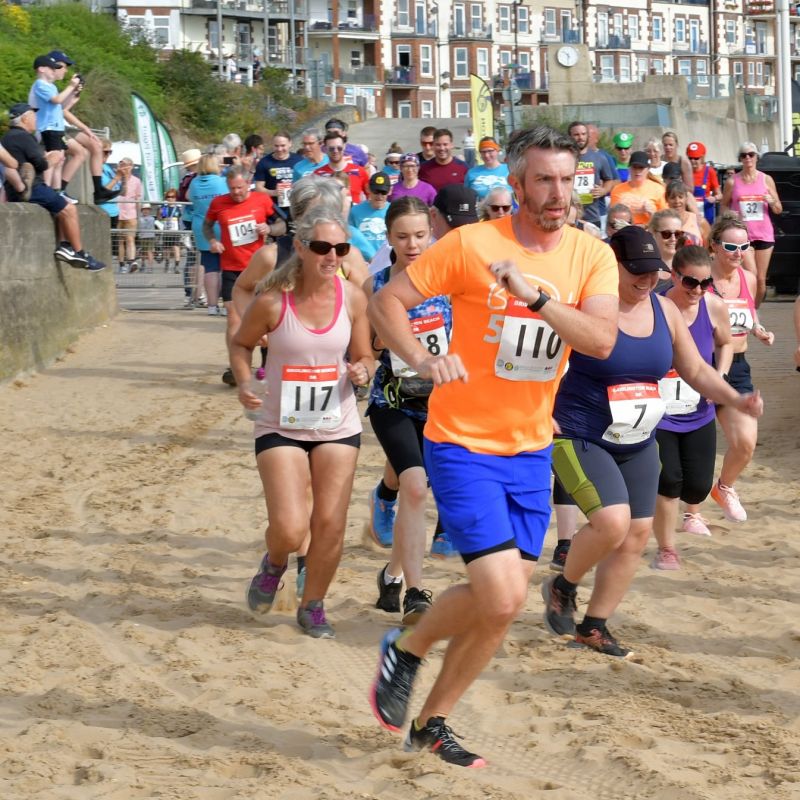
<point x="130" y="196"/>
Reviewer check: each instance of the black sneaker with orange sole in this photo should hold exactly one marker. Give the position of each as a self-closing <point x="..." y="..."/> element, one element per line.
<point x="602" y="641"/>
<point x="438" y="737"/>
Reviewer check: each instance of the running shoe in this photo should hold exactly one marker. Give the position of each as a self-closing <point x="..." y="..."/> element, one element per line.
<point x="415" y="603"/>
<point x="438" y="737"/>
<point x="442" y="547"/>
<point x="69" y="198"/>
<point x="602" y="641"/>
<point x="694" y="523"/>
<point x="264" y="586"/>
<point x="381" y="518"/>
<point x="66" y="253"/>
<point x="666" y="558"/>
<point x="391" y="689"/>
<point x="228" y="378"/>
<point x="300" y="583"/>
<point x="388" y="594"/>
<point x="213" y="311"/>
<point x="559" y="609"/>
<point x="560" y="557"/>
<point x="728" y="500"/>
<point x="311" y="618"/>
<point x="27" y="174"/>
<point x="93" y="265"/>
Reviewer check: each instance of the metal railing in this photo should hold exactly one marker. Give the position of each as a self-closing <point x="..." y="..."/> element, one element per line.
<point x="368" y="24"/>
<point x="404" y="76"/>
<point x="471" y="32"/>
<point x="614" y="42"/>
<point x="275" y="8"/>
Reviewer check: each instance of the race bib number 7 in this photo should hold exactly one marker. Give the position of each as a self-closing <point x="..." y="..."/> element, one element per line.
<point x="431" y="334"/>
<point x="310" y="398"/>
<point x="636" y="409"/>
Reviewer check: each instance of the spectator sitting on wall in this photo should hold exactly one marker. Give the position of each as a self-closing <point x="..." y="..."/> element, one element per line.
<point x="22" y="146"/>
<point x="20" y="179"/>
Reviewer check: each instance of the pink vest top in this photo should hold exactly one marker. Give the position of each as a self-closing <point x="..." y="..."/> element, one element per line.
<point x="747" y="199"/>
<point x="741" y="309"/>
<point x="309" y="396"/>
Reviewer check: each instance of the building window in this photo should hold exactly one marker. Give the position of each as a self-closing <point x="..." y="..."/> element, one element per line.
<point x="760" y="73"/>
<point x="658" y="29"/>
<point x="459" y="19"/>
<point x="730" y="31"/>
<point x="616" y="27"/>
<point x="751" y="69"/>
<point x="463" y="110"/>
<point x="525" y="62"/>
<point x="602" y="29"/>
<point x="420" y="23"/>
<point x="607" y="68"/>
<point x="680" y="31"/>
<point x="505" y="18"/>
<point x="566" y="24"/>
<point x="426" y="109"/>
<point x="460" y="61"/>
<point x="476" y="17"/>
<point x="694" y="35"/>
<point x="633" y="27"/>
<point x="624" y="69"/>
<point x="213" y="34"/>
<point x="701" y="69"/>
<point x="505" y="59"/>
<point x="685" y="67"/>
<point x="642" y="67"/>
<point x="550" y="23"/>
<point x="404" y="109"/>
<point x="658" y="66"/>
<point x="426" y="60"/>
<point x="403" y="55"/>
<point x="523" y="23"/>
<point x="161" y="32"/>
<point x="738" y="73"/>
<point x="355" y="59"/>
<point x="483" y="62"/>
<point x="403" y="15"/>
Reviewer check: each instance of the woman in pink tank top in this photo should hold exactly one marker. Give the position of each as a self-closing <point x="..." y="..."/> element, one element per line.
<point x="736" y="286"/>
<point x="752" y="195"/>
<point x="309" y="430"/>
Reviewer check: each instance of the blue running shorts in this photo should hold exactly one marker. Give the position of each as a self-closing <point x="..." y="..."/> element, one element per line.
<point x="489" y="503"/>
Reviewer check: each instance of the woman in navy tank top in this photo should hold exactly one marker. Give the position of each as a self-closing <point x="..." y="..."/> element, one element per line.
<point x="605" y="455"/>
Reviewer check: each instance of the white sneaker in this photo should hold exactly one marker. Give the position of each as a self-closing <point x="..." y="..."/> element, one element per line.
<point x="694" y="523"/>
<point x="212" y="311"/>
<point x="728" y="500"/>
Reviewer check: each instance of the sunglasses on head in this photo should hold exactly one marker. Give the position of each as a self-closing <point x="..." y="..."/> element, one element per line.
<point x="730" y="247"/>
<point x="748" y="155"/>
<point x="500" y="208"/>
<point x="323" y="248"/>
<point x="692" y="283"/>
<point x="670" y="234"/>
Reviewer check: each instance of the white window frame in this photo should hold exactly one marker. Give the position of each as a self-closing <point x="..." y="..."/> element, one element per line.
<point x="550" y="29"/>
<point x="476" y="17"/>
<point x="403" y="14"/>
<point x="420" y="17"/>
<point x="504" y="19"/>
<point x="523" y="20"/>
<point x="524" y="61"/>
<point x="607" y="69"/>
<point x="759" y="73"/>
<point x="426" y="60"/>
<point x="602" y="28"/>
<point x="463" y="109"/>
<point x="356" y="59"/>
<point x="751" y="73"/>
<point x="680" y="30"/>
<point x="566" y="21"/>
<point x="460" y="62"/>
<point x="617" y="25"/>
<point x="685" y="67"/>
<point x="658" y="29"/>
<point x="505" y="59"/>
<point x="701" y="70"/>
<point x="402" y="48"/>
<point x="426" y="109"/>
<point x="657" y="65"/>
<point x="642" y="67"/>
<point x="459" y="19"/>
<point x="161" y="25"/>
<point x="402" y="107"/>
<point x="482" y="62"/>
<point x="624" y="68"/>
<point x="738" y="73"/>
<point x="633" y="27"/>
<point x="730" y="31"/>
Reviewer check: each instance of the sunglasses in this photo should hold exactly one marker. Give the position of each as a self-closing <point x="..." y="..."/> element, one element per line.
<point x="106" y="152"/>
<point x="424" y="142"/>
<point x="730" y="247"/>
<point x="748" y="155"/>
<point x="335" y="149"/>
<point x="692" y="283"/>
<point x="60" y="66"/>
<point x="323" y="248"/>
<point x="393" y="163"/>
<point x="500" y="208"/>
<point x="623" y="148"/>
<point x="670" y="234"/>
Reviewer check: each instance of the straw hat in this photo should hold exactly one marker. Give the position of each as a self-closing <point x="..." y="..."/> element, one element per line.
<point x="190" y="157"/>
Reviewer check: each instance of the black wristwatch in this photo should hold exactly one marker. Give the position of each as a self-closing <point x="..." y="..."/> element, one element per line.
<point x="540" y="301"/>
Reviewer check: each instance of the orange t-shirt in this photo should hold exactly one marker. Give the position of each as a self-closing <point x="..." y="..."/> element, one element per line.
<point x="514" y="358"/>
<point x="636" y="197"/>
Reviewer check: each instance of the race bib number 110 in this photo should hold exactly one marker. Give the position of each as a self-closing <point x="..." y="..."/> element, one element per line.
<point x="530" y="350"/>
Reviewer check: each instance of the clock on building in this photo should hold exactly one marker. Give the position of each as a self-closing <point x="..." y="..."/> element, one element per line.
<point x="567" y="56"/>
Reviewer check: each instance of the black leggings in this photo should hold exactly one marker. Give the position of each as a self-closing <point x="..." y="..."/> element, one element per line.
<point x="687" y="463"/>
<point x="399" y="435"/>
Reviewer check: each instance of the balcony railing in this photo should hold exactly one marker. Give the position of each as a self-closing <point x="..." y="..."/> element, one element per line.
<point x="571" y="37"/>
<point x="400" y="76"/>
<point x="367" y="24"/>
<point x="429" y="29"/>
<point x="275" y="8"/>
<point x="468" y="32"/>
<point x="360" y="75"/>
<point x="614" y="42"/>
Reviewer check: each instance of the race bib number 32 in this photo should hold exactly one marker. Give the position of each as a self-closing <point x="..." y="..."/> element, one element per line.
<point x="636" y="409"/>
<point x="310" y="398"/>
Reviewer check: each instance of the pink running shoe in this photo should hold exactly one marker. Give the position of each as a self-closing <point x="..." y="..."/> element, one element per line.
<point x="666" y="558"/>
<point x="694" y="523"/>
<point x="728" y="501"/>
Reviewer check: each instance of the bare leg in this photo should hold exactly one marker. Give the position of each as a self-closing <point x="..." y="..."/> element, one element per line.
<point x="665" y="521"/>
<point x="76" y="155"/>
<point x="603" y="533"/>
<point x="762" y="265"/>
<point x="408" y="543"/>
<point x="741" y="432"/>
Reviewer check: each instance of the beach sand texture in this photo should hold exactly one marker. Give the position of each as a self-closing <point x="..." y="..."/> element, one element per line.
<point x="133" y="520"/>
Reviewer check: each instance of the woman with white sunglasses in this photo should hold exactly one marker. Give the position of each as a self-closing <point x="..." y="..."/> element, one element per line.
<point x="737" y="287"/>
<point x="752" y="194"/>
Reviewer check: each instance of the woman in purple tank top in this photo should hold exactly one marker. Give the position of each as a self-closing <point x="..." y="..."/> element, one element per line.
<point x="687" y="434"/>
<point x="309" y="431"/>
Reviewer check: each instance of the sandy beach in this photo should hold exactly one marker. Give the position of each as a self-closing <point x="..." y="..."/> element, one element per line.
<point x="133" y="520"/>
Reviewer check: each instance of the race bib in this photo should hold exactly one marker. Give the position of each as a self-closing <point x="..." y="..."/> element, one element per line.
<point x="310" y="398"/>
<point x="431" y="334"/>
<point x="242" y="232"/>
<point x="171" y="224"/>
<point x="679" y="397"/>
<point x="741" y="316"/>
<point x="530" y="350"/>
<point x="636" y="409"/>
<point x="284" y="190"/>
<point x="583" y="185"/>
<point x="752" y="208"/>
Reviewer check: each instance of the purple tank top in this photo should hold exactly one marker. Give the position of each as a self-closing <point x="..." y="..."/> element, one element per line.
<point x="680" y="418"/>
<point x="309" y="396"/>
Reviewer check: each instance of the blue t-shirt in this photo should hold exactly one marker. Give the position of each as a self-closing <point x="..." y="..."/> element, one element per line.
<point x="372" y="224"/>
<point x="112" y="209"/>
<point x="358" y="240"/>
<point x="50" y="116"/>
<point x="202" y="190"/>
<point x="306" y="167"/>
<point x="482" y="179"/>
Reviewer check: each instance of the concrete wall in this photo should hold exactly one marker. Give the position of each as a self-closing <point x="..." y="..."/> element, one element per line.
<point x="44" y="304"/>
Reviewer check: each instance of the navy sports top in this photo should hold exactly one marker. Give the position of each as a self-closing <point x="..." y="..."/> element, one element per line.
<point x="614" y="402"/>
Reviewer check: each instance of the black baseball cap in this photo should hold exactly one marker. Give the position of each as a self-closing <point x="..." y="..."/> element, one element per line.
<point x="637" y="251"/>
<point x="457" y="204"/>
<point x="45" y="61"/>
<point x="336" y="123"/>
<point x="639" y="159"/>
<point x="380" y="182"/>
<point x="18" y="109"/>
<point x="61" y="56"/>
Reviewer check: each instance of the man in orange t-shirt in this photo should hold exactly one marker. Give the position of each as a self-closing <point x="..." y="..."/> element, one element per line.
<point x="642" y="195"/>
<point x="525" y="289"/>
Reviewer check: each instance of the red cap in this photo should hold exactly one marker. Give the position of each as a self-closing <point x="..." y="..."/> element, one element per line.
<point x="696" y="150"/>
